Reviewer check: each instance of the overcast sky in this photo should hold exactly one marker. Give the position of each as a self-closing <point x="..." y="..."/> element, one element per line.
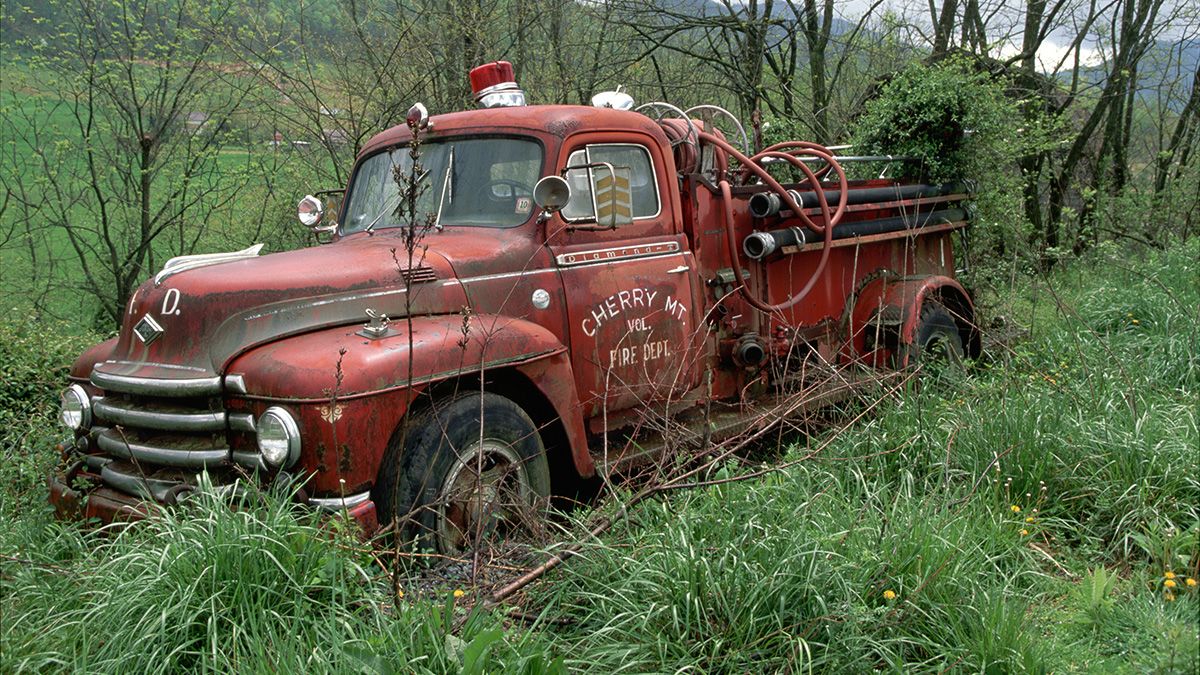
<point x="1007" y="17"/>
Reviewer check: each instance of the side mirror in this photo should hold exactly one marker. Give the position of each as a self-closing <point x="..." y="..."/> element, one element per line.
<point x="613" y="191"/>
<point x="316" y="215"/>
<point x="310" y="211"/>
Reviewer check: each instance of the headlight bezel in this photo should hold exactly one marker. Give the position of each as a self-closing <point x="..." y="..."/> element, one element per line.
<point x="80" y="395"/>
<point x="275" y="457"/>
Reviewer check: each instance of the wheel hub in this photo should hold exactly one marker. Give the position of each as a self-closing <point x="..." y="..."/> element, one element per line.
<point x="482" y="494"/>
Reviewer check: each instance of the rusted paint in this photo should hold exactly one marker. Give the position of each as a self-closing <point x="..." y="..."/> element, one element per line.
<point x="81" y="369"/>
<point x="625" y="318"/>
<point x="554" y="380"/>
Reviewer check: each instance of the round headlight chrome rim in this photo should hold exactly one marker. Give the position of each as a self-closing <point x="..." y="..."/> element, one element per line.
<point x="75" y="409"/>
<point x="278" y="438"/>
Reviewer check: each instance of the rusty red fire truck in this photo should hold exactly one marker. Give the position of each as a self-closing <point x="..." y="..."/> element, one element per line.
<point x="560" y="271"/>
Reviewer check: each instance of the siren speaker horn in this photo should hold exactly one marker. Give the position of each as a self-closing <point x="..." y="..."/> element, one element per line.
<point x="552" y="193"/>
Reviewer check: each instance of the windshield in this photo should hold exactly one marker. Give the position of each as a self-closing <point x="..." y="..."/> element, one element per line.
<point x="481" y="182"/>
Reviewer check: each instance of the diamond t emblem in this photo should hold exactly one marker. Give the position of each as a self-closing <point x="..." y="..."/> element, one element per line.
<point x="147" y="330"/>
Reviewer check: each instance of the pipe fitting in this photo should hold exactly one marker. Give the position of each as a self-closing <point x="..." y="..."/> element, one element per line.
<point x="759" y="245"/>
<point x="764" y="204"/>
<point x="750" y="351"/>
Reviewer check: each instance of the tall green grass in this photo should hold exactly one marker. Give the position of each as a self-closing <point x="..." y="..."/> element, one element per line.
<point x="1022" y="517"/>
<point x="210" y="588"/>
<point x="981" y="504"/>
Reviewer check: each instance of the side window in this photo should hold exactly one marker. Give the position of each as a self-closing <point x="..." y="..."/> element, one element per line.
<point x="641" y="173"/>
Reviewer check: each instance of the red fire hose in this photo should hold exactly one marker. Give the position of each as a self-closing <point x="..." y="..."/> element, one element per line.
<point x="787" y="146"/>
<point x="830" y="219"/>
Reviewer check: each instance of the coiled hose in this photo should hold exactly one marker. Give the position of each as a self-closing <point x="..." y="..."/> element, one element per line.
<point x="791" y="152"/>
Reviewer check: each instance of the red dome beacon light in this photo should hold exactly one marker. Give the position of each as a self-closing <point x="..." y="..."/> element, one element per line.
<point x="495" y="86"/>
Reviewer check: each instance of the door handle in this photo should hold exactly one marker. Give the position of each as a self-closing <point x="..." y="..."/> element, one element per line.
<point x="678" y="270"/>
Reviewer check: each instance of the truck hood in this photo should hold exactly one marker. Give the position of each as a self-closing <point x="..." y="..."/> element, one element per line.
<point x="209" y="315"/>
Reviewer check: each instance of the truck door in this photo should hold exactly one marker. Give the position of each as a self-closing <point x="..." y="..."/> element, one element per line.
<point x="630" y="290"/>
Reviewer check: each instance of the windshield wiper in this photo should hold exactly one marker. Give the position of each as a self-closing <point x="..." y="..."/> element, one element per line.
<point x="447" y="188"/>
<point x="391" y="206"/>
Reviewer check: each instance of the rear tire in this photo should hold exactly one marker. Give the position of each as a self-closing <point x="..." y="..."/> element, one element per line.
<point x="936" y="339"/>
<point x="460" y="480"/>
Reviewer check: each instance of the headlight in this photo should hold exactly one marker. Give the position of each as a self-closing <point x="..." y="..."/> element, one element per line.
<point x="278" y="438"/>
<point x="76" y="411"/>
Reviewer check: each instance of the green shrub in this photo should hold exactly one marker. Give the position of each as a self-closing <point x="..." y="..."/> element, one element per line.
<point x="956" y="120"/>
<point x="35" y="357"/>
<point x="961" y="125"/>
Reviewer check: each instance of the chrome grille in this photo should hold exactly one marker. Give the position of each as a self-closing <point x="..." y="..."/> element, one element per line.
<point x="157" y="415"/>
<point x="174" y="450"/>
<point x="161" y="433"/>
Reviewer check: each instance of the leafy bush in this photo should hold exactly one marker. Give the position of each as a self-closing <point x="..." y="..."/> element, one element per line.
<point x="956" y="120"/>
<point x="34" y="359"/>
<point x="962" y="126"/>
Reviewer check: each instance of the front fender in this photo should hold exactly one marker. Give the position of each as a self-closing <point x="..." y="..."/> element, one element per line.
<point x="375" y="380"/>
<point x="81" y="369"/>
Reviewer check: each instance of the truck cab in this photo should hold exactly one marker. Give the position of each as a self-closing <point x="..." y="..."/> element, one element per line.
<point x="513" y="300"/>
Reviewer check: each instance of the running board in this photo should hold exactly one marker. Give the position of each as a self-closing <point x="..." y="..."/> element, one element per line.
<point x="723" y="422"/>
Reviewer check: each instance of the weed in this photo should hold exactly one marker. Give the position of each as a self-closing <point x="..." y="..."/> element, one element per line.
<point x="1095" y="596"/>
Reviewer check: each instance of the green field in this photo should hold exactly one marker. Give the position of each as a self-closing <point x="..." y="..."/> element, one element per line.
<point x="1038" y="514"/>
<point x="250" y="192"/>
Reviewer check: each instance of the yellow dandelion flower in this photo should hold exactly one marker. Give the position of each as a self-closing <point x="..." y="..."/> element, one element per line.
<point x="1190" y="582"/>
<point x="1014" y="508"/>
<point x="458" y="592"/>
<point x="1169" y="583"/>
<point x="400" y="593"/>
<point x="1169" y="597"/>
<point x="889" y="594"/>
<point x="1029" y="519"/>
<point x="1135" y="322"/>
<point x="1168" y="574"/>
<point x="1024" y="532"/>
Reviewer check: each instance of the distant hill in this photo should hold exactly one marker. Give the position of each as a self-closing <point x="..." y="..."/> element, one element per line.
<point x="713" y="8"/>
<point x="1182" y="57"/>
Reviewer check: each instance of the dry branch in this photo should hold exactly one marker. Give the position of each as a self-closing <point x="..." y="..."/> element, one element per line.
<point x="717" y="454"/>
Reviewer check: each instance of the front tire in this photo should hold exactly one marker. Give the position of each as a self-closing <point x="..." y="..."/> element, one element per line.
<point x="472" y="467"/>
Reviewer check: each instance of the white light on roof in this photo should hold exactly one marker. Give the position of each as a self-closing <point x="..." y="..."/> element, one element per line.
<point x="618" y="100"/>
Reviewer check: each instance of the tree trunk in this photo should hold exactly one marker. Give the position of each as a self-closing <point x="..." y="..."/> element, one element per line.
<point x="816" y="36"/>
<point x="1185" y="130"/>
<point x="943" y="28"/>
